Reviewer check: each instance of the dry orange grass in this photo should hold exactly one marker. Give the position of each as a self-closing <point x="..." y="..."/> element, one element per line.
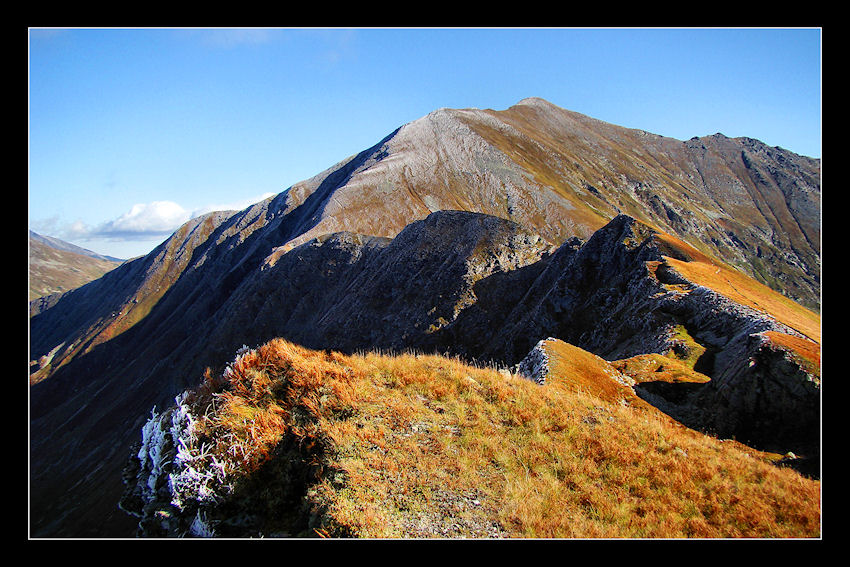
<point x="654" y="367"/>
<point x="577" y="369"/>
<point x="746" y="291"/>
<point x="426" y="446"/>
<point x="704" y="270"/>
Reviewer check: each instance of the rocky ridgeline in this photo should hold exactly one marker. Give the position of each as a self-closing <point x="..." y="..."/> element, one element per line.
<point x="604" y="301"/>
<point x="348" y="291"/>
<point x="486" y="288"/>
<point x="461" y="283"/>
<point x="761" y="392"/>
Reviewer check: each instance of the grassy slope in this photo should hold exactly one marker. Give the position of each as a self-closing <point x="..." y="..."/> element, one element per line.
<point x="168" y="266"/>
<point x="56" y="271"/>
<point x="704" y="270"/>
<point x="426" y="446"/>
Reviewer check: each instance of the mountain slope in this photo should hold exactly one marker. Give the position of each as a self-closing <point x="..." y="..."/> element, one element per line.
<point x="563" y="174"/>
<point x="355" y="292"/>
<point x="56" y="266"/>
<point x="354" y="258"/>
<point x="753" y="206"/>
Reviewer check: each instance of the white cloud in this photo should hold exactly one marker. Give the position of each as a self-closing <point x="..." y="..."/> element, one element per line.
<point x="135" y="232"/>
<point x="145" y="220"/>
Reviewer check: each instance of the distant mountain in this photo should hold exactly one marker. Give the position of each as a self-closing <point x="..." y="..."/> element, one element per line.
<point x="56" y="266"/>
<point x="62" y="245"/>
<point x="474" y="232"/>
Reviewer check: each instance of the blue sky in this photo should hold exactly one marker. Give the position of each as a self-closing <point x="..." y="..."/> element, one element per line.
<point x="133" y="131"/>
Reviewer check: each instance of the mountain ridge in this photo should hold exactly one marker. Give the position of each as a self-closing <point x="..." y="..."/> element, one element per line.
<point x="568" y="180"/>
<point x="62" y="245"/>
<point x="331" y="262"/>
<point x="55" y="266"/>
<point x="373" y="445"/>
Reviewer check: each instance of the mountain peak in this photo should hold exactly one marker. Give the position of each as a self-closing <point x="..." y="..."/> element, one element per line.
<point x="534" y="101"/>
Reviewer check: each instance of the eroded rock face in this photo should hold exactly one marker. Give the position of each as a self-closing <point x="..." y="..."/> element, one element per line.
<point x="347" y="291"/>
<point x="764" y="393"/>
<point x="535" y="365"/>
<point x="597" y="296"/>
<point x="605" y="301"/>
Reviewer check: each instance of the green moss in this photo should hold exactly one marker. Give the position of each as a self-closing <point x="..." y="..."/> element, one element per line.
<point x="686" y="349"/>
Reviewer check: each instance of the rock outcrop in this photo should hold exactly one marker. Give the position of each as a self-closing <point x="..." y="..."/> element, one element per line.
<point x="535" y="365"/>
<point x="347" y="291"/>
<point x="609" y="302"/>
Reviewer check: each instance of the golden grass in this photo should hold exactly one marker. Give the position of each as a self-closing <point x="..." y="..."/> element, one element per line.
<point x="655" y="367"/>
<point x="746" y="291"/>
<point x="808" y="352"/>
<point x="680" y="249"/>
<point x="575" y="369"/>
<point x="426" y="446"/>
<point x="702" y="269"/>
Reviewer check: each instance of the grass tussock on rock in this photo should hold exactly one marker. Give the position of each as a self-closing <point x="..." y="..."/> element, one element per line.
<point x="373" y="445"/>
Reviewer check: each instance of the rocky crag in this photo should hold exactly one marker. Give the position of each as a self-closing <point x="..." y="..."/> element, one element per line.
<point x="471" y="232"/>
<point x="759" y="391"/>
